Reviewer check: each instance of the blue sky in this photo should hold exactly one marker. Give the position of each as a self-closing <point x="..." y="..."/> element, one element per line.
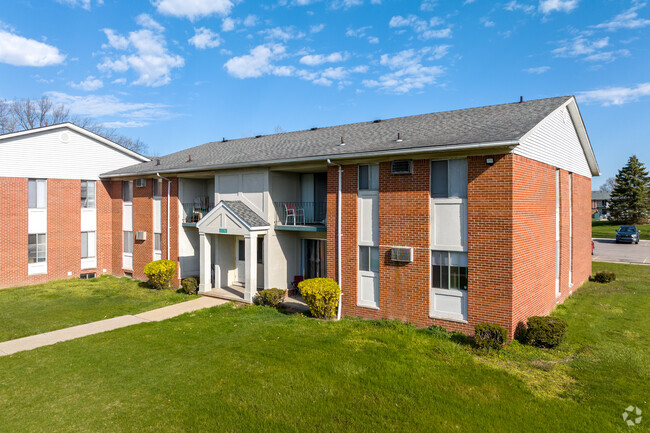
<point x="177" y="73"/>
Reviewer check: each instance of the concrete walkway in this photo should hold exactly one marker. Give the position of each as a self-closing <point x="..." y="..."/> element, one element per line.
<point x="33" y="341"/>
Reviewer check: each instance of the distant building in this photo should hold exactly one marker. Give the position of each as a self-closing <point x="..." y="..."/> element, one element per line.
<point x="599" y="203"/>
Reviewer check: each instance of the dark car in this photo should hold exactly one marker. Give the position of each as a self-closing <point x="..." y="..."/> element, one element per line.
<point x="627" y="234"/>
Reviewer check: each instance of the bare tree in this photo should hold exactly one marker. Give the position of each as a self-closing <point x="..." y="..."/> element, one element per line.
<point x="20" y="115"/>
<point x="609" y="185"/>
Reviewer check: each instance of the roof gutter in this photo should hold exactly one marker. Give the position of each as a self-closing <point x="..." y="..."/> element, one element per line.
<point x="369" y="154"/>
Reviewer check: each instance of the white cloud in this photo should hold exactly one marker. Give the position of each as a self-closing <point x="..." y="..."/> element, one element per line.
<point x="373" y="40"/>
<point x="250" y="20"/>
<point x="628" y="19"/>
<point x="228" y="24"/>
<point x="84" y="4"/>
<point x="515" y="6"/>
<point x="428" y="5"/>
<point x="615" y="95"/>
<point x="319" y="59"/>
<point x="316" y="28"/>
<point x="125" y="124"/>
<point x="580" y="46"/>
<point x="362" y="33"/>
<point x="423" y="27"/>
<point x="89" y="84"/>
<point x="148" y="57"/>
<point x="257" y="63"/>
<point x="205" y="38"/>
<point x="282" y="33"/>
<point x="548" y="6"/>
<point x="119" y="81"/>
<point x="108" y="105"/>
<point x="406" y="72"/>
<point x="486" y="22"/>
<point x="193" y="9"/>
<point x="345" y="4"/>
<point x="537" y="70"/>
<point x="19" y="51"/>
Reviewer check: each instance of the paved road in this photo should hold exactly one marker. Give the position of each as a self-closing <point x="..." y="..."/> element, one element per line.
<point x="607" y="250"/>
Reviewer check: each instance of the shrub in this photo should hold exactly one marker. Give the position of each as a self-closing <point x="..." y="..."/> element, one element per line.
<point x="190" y="285"/>
<point x="321" y="295"/>
<point x="270" y="297"/>
<point x="160" y="273"/>
<point x="489" y="336"/>
<point x="604" y="277"/>
<point x="438" y="331"/>
<point x="545" y="331"/>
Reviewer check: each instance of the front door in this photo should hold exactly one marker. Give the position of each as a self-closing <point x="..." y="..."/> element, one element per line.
<point x="241" y="261"/>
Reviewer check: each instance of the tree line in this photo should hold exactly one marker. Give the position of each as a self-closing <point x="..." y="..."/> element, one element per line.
<point x="23" y="114"/>
<point x="629" y="193"/>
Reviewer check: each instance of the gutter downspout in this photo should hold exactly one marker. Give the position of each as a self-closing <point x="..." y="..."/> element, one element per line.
<point x="169" y="188"/>
<point x="339" y="235"/>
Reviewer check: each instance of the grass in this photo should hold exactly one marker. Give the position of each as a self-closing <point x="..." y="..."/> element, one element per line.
<point x="59" y="304"/>
<point x="231" y="369"/>
<point x="607" y="230"/>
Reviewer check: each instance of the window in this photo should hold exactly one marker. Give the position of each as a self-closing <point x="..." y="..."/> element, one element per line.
<point x="157" y="241"/>
<point x="88" y="276"/>
<point x="403" y="166"/>
<point x="369" y="177"/>
<point x="241" y="250"/>
<point x="88" y="243"/>
<point x="88" y="194"/>
<point x="448" y="270"/>
<point x="260" y="250"/>
<point x="37" y="191"/>
<point x="127" y="191"/>
<point x="369" y="259"/>
<point x="37" y="248"/>
<point x="157" y="188"/>
<point x="449" y="178"/>
<point x="127" y="246"/>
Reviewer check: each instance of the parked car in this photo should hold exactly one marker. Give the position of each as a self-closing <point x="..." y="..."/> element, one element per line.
<point x="627" y="234"/>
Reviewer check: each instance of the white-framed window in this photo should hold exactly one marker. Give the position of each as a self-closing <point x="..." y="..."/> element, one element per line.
<point x="157" y="241"/>
<point x="157" y="187"/>
<point x="88" y="245"/>
<point x="37" y="193"/>
<point x="369" y="177"/>
<point x="37" y="248"/>
<point x="369" y="258"/>
<point x="127" y="191"/>
<point x="88" y="194"/>
<point x="449" y="178"/>
<point x="449" y="270"/>
<point x="127" y="243"/>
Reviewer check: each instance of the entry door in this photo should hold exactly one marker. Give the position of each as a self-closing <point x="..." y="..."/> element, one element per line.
<point x="241" y="261"/>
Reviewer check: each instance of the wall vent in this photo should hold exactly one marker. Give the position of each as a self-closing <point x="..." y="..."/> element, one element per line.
<point x="140" y="236"/>
<point x="402" y="166"/>
<point x="141" y="183"/>
<point x="401" y="254"/>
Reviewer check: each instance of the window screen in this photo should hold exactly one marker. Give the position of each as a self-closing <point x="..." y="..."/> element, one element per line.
<point x="37" y="193"/>
<point x="37" y="248"/>
<point x="128" y="243"/>
<point x="88" y="194"/>
<point x="439" y="179"/>
<point x="127" y="191"/>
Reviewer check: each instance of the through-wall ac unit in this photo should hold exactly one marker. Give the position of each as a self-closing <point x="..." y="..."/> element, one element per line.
<point x="141" y="183"/>
<point x="140" y="236"/>
<point x="401" y="166"/>
<point x="401" y="254"/>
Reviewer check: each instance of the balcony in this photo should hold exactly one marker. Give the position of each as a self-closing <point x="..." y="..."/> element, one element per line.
<point x="301" y="216"/>
<point x="192" y="213"/>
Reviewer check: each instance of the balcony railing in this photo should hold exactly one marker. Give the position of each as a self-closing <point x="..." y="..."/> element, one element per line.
<point x="193" y="213"/>
<point x="301" y="213"/>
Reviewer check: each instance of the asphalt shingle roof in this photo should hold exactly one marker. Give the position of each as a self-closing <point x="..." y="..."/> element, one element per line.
<point x="246" y="213"/>
<point x="490" y="124"/>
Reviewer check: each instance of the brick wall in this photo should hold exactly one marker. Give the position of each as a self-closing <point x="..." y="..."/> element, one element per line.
<point x="105" y="227"/>
<point x="534" y="259"/>
<point x="142" y="222"/>
<point x="13" y="231"/>
<point x="117" y="236"/>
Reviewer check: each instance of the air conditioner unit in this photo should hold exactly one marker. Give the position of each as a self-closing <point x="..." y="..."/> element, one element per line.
<point x="141" y="183"/>
<point x="140" y="236"/>
<point x="401" y="254"/>
<point x="402" y="166"/>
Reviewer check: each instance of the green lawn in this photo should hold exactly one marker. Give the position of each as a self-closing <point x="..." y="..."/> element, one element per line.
<point x="607" y="230"/>
<point x="253" y="369"/>
<point x="58" y="304"/>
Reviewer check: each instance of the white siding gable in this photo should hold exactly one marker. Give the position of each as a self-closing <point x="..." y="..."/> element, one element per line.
<point x="60" y="153"/>
<point x="554" y="141"/>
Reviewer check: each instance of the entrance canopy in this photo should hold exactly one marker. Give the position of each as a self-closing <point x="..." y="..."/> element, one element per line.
<point x="232" y="218"/>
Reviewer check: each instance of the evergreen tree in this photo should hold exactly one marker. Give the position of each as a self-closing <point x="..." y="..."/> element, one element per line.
<point x="630" y="200"/>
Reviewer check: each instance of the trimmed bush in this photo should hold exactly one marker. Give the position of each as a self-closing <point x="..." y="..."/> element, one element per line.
<point x="270" y="297"/>
<point x="545" y="331"/>
<point x="160" y="273"/>
<point x="190" y="285"/>
<point x="321" y="295"/>
<point x="489" y="336"/>
<point x="604" y="277"/>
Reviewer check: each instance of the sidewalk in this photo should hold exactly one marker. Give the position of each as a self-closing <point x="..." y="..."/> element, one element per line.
<point x="33" y="341"/>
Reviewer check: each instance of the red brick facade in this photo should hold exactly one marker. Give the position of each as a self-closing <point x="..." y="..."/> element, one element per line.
<point x="511" y="241"/>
